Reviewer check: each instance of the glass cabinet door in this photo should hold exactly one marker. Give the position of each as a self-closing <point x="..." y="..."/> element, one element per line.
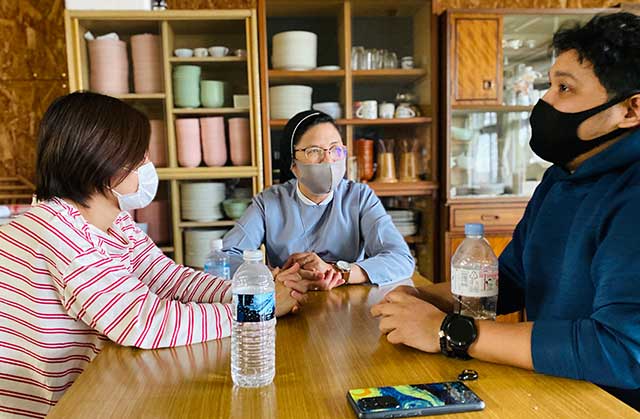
<point x="489" y="152"/>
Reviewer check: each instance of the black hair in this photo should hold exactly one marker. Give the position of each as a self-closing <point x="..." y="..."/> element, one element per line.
<point x="84" y="143"/>
<point x="293" y="132"/>
<point x="611" y="43"/>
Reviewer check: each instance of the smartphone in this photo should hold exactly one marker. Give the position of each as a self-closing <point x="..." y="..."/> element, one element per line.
<point x="413" y="400"/>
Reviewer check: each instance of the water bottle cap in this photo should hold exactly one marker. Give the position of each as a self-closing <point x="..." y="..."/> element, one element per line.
<point x="216" y="244"/>
<point x="474" y="229"/>
<point x="252" y="255"/>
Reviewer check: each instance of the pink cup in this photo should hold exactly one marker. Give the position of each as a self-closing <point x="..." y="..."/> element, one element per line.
<point x="214" y="147"/>
<point x="109" y="66"/>
<point x="157" y="143"/>
<point x="146" y="54"/>
<point x="156" y="215"/>
<point x="240" y="141"/>
<point x="188" y="133"/>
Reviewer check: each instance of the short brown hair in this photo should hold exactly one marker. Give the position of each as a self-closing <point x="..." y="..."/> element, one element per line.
<point x="84" y="142"/>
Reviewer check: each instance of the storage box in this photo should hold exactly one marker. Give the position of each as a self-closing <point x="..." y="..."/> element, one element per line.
<point x="240" y="101"/>
<point x="108" y="4"/>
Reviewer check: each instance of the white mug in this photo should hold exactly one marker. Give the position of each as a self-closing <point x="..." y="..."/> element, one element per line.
<point x="387" y="110"/>
<point x="218" y="51"/>
<point x="200" y="52"/>
<point x="367" y="109"/>
<point x="405" y="111"/>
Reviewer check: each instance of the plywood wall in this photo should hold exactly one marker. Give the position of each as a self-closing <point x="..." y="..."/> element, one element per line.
<point x="441" y="5"/>
<point x="33" y="71"/>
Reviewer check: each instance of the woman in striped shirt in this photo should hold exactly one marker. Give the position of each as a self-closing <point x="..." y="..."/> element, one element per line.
<point x="75" y="271"/>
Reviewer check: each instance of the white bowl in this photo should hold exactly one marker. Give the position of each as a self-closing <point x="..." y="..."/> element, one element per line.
<point x="333" y="109"/>
<point x="183" y="52"/>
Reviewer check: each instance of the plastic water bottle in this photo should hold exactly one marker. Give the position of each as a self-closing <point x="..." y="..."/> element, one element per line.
<point x="253" y="337"/>
<point x="474" y="276"/>
<point x="217" y="263"/>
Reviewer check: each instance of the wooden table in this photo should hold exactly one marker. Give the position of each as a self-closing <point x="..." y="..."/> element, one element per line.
<point x="331" y="346"/>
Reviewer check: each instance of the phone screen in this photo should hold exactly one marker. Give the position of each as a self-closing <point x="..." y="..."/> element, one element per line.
<point x="414" y="399"/>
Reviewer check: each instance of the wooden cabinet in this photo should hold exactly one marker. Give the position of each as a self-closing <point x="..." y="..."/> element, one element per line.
<point x="494" y="217"/>
<point x="476" y="58"/>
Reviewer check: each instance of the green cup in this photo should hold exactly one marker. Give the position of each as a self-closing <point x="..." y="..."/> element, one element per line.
<point x="186" y="86"/>
<point x="212" y="93"/>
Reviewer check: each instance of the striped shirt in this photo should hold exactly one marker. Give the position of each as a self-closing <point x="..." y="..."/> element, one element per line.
<point x="67" y="287"/>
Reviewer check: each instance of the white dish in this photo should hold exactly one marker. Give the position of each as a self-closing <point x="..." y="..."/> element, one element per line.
<point x="328" y="68"/>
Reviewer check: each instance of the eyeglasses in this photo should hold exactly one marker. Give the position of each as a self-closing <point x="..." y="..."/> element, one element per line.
<point x="315" y="154"/>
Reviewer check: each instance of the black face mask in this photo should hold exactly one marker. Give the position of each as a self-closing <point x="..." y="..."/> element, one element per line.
<point x="554" y="134"/>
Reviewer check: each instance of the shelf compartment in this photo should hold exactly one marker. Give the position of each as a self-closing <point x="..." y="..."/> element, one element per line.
<point x="196" y="173"/>
<point x="404" y="188"/>
<point x="207" y="60"/>
<point x="210" y="111"/>
<point x="219" y="223"/>
<point x="311" y="76"/>
<point x="276" y="123"/>
<point x="389" y="75"/>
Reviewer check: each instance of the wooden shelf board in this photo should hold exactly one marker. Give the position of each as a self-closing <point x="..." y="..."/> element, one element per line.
<point x="492" y="108"/>
<point x="191" y="60"/>
<point x="412" y="239"/>
<point x="404" y="188"/>
<point x="287" y="76"/>
<point x="210" y="111"/>
<point x="140" y="96"/>
<point x="219" y="223"/>
<point x="195" y="173"/>
<point x="276" y="123"/>
<point x="389" y="75"/>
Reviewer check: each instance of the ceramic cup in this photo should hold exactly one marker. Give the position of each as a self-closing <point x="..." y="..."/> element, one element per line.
<point x="240" y="53"/>
<point x="200" y="52"/>
<point x="183" y="52"/>
<point x="157" y="143"/>
<point x="109" y="66"/>
<point x="214" y="146"/>
<point x="188" y="135"/>
<point x="367" y="109"/>
<point x="218" y="51"/>
<point x="405" y="110"/>
<point x="146" y="54"/>
<point x="387" y="110"/>
<point x="186" y="86"/>
<point x="364" y="153"/>
<point x="239" y="141"/>
<point x="212" y="93"/>
<point x="386" y="168"/>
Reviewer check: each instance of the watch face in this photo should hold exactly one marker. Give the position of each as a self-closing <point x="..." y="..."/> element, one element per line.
<point x="345" y="266"/>
<point x="461" y="331"/>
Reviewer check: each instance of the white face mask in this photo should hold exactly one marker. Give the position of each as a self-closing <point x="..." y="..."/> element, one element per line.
<point x="147" y="188"/>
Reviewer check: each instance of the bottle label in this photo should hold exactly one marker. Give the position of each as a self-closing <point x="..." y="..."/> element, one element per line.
<point x="474" y="282"/>
<point x="253" y="308"/>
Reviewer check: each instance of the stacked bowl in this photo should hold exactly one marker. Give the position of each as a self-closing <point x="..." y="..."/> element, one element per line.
<point x="286" y="101"/>
<point x="146" y="54"/>
<point x="109" y="66"/>
<point x="198" y="245"/>
<point x="333" y="109"/>
<point x="295" y="50"/>
<point x="405" y="222"/>
<point x="200" y="201"/>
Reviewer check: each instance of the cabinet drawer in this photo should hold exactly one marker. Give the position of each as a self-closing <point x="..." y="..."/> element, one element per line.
<point x="492" y="217"/>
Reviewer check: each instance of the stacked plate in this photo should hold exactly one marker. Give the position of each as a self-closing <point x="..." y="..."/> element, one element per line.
<point x="295" y="50"/>
<point x="405" y="221"/>
<point x="198" y="245"/>
<point x="286" y="101"/>
<point x="201" y="201"/>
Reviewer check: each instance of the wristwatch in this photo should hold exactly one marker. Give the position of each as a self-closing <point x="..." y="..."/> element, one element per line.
<point x="457" y="333"/>
<point x="345" y="269"/>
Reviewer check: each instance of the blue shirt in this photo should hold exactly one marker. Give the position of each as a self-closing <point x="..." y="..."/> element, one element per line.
<point x="353" y="226"/>
<point x="574" y="263"/>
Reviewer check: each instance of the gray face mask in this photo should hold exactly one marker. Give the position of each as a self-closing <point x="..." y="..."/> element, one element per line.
<point x="321" y="178"/>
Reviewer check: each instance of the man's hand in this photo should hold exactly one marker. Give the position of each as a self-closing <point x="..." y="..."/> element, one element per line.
<point x="290" y="291"/>
<point x="406" y="319"/>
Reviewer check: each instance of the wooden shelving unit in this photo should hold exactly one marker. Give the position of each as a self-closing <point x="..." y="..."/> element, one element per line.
<point x="410" y="29"/>
<point x="238" y="29"/>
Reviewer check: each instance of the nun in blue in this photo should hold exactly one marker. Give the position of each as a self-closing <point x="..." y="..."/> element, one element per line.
<point x="336" y="230"/>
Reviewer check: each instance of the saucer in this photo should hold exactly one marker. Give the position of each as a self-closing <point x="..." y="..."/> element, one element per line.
<point x="328" y="68"/>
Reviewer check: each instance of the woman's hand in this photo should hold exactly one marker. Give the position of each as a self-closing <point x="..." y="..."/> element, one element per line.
<point x="290" y="291"/>
<point x="406" y="319"/>
<point x="309" y="261"/>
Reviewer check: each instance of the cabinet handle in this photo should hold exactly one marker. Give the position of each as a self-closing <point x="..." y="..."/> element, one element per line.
<point x="490" y="217"/>
<point x="487" y="84"/>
